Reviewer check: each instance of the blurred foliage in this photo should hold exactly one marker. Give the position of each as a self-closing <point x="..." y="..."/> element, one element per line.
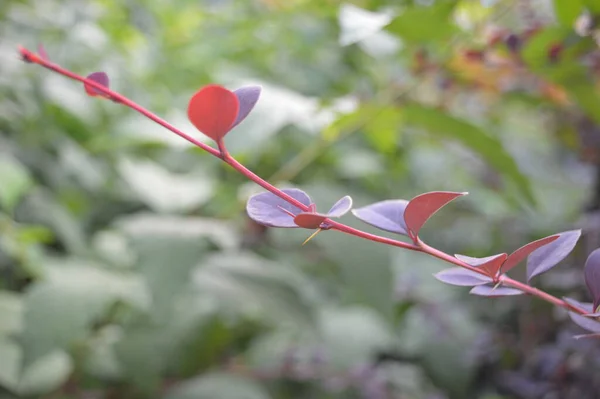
<point x="128" y="268"/>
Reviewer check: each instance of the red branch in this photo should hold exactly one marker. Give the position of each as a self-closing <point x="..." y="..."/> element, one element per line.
<point x="222" y="154"/>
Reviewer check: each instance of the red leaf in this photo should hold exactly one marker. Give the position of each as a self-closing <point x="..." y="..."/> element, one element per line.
<point x="490" y="264"/>
<point x="520" y="254"/>
<point x="423" y="206"/>
<point x="213" y="109"/>
<point x="309" y="220"/>
<point x="493" y="266"/>
<point x="100" y="78"/>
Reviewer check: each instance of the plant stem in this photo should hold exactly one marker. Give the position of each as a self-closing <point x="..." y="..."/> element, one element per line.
<point x="28" y="56"/>
<point x="224" y="155"/>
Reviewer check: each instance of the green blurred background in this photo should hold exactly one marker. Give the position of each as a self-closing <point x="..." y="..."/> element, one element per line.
<point x="128" y="268"/>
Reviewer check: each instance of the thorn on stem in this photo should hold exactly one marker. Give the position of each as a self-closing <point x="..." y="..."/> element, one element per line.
<point x="312" y="235"/>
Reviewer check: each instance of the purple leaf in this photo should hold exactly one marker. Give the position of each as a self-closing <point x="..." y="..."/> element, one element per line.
<point x="520" y="254"/>
<point x="490" y="291"/>
<point x="98" y="77"/>
<point x="309" y="220"/>
<point x="270" y="210"/>
<point x="591" y="273"/>
<point x="581" y="305"/>
<point x="341" y="207"/>
<point x="585" y="322"/>
<point x="461" y="277"/>
<point x="247" y="97"/>
<point x="546" y="257"/>
<point x="490" y="264"/>
<point x="42" y="52"/>
<point x="422" y="207"/>
<point x="385" y="215"/>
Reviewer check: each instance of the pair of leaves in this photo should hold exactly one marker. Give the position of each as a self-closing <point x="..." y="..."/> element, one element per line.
<point x="482" y="285"/>
<point x="589" y="321"/>
<point x="405" y="217"/>
<point x="214" y="110"/>
<point x="397" y="216"/>
<point x="586" y="321"/>
<point x="273" y="211"/>
<point x="542" y="255"/>
<point x="314" y="220"/>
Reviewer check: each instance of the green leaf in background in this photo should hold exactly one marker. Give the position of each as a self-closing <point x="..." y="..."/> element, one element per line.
<point x="164" y="191"/>
<point x="114" y="247"/>
<point x="61" y="310"/>
<point x="271" y="350"/>
<point x="41" y="377"/>
<point x="10" y="364"/>
<point x="568" y="11"/>
<point x="592" y="5"/>
<point x="101" y="360"/>
<point x="347" y="123"/>
<point x="45" y="209"/>
<point x="165" y="262"/>
<point x="587" y="97"/>
<point x="46" y="374"/>
<point x="258" y="287"/>
<point x="142" y="366"/>
<point x="354" y="335"/>
<point x="168" y="248"/>
<point x="11" y="313"/>
<point x="218" y="385"/>
<point x="383" y="130"/>
<point x="438" y="337"/>
<point x="535" y="51"/>
<point x="487" y="147"/>
<point x="29" y="234"/>
<point x="381" y="125"/>
<point x="14" y="182"/>
<point x="202" y="340"/>
<point x="422" y="24"/>
<point x="364" y="269"/>
<point x="143" y="225"/>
